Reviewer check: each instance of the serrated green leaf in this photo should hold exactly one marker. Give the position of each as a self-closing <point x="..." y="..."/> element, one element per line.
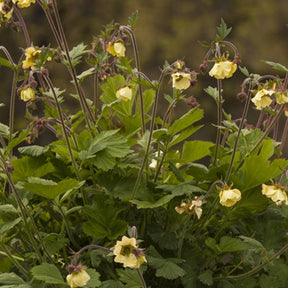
<point x="47" y="273"/>
<point x="130" y="278"/>
<point x="223" y="31"/>
<point x="277" y="66"/>
<point x="185" y="121"/>
<point x="4" y="130"/>
<point x="133" y="19"/>
<point x="85" y="74"/>
<point x="12" y="280"/>
<point x="94" y="278"/>
<point x="30" y="166"/>
<point x="146" y="204"/>
<point x="195" y="150"/>
<point x="229" y="244"/>
<point x="33" y="150"/>
<point x="213" y="92"/>
<point x="112" y="284"/>
<point x="206" y="277"/>
<point x="50" y="189"/>
<point x="18" y="139"/>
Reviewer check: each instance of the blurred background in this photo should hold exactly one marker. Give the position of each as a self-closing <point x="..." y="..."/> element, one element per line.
<point x="166" y="30"/>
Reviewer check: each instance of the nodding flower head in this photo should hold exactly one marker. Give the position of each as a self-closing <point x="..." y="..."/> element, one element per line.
<point x="128" y="253"/>
<point x="116" y="48"/>
<point x="229" y="197"/>
<point x="77" y="276"/>
<point x="223" y="69"/>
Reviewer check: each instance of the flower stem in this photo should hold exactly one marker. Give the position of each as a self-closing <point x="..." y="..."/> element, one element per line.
<point x="137" y="63"/>
<point x="153" y="117"/>
<point x="245" y="111"/>
<point x="141" y="278"/>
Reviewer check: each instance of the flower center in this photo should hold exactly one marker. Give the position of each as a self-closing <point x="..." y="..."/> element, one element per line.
<point x="126" y="250"/>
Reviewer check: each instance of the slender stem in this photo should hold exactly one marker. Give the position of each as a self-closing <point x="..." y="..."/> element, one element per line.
<point x="284" y="135"/>
<point x="153" y="117"/>
<point x="84" y="105"/>
<point x="93" y="246"/>
<point x="219" y="118"/>
<point x="141" y="278"/>
<point x="137" y="63"/>
<point x="23" y="25"/>
<point x="257" y="268"/>
<point x="245" y="111"/>
<point x="14" y="260"/>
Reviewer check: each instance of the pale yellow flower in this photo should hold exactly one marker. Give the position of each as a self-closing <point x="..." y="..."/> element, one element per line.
<point x="116" y="49"/>
<point x="229" y="197"/>
<point x="125" y="93"/>
<point x="181" y="80"/>
<point x="275" y="193"/>
<point x="281" y="98"/>
<point x="6" y="14"/>
<point x="193" y="207"/>
<point x="262" y="98"/>
<point x="223" y="69"/>
<point x="32" y="55"/>
<point x="78" y="279"/>
<point x="24" y="3"/>
<point x="128" y="253"/>
<point x="27" y="94"/>
<point x="153" y="164"/>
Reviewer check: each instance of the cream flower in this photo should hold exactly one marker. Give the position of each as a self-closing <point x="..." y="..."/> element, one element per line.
<point x="275" y="193"/>
<point x="181" y="80"/>
<point x="24" y="3"/>
<point x="32" y="55"/>
<point x="128" y="253"/>
<point x="116" y="49"/>
<point x="223" y="69"/>
<point x="281" y="98"/>
<point x="193" y="207"/>
<point x="6" y="14"/>
<point x="229" y="197"/>
<point x="153" y="164"/>
<point x="78" y="279"/>
<point x="262" y="99"/>
<point x="124" y="93"/>
<point x="27" y="94"/>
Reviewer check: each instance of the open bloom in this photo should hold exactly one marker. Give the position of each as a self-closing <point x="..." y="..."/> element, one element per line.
<point x="24" y="3"/>
<point x="32" y="55"/>
<point x="78" y="279"/>
<point x="181" y="80"/>
<point x="27" y="94"/>
<point x="262" y="98"/>
<point x="223" y="69"/>
<point x="116" y="49"/>
<point x="193" y="207"/>
<point x="229" y="197"/>
<point x="6" y="13"/>
<point x="274" y="192"/>
<point x="128" y="253"/>
<point x="124" y="93"/>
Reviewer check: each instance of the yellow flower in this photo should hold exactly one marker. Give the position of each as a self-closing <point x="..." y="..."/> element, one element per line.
<point x="116" y="49"/>
<point x="153" y="164"/>
<point x="124" y="93"/>
<point x="78" y="279"/>
<point x="32" y="55"/>
<point x="275" y="193"/>
<point x="229" y="197"/>
<point x="223" y="69"/>
<point x="128" y="253"/>
<point x="181" y="80"/>
<point x="6" y="14"/>
<point x="281" y="98"/>
<point x="27" y="94"/>
<point x="193" y="207"/>
<point x="262" y="99"/>
<point x="23" y="3"/>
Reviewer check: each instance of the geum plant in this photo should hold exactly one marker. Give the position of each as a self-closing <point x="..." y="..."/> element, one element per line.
<point x="69" y="209"/>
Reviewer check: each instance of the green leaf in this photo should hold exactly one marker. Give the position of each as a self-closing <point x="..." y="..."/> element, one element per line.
<point x="167" y="268"/>
<point x="223" y="31"/>
<point x="4" y="130"/>
<point x="185" y="121"/>
<point x="195" y="150"/>
<point x="147" y="204"/>
<point x="17" y="140"/>
<point x="133" y="19"/>
<point x="130" y="278"/>
<point x="76" y="54"/>
<point x="30" y="166"/>
<point x="11" y="280"/>
<point x="50" y="189"/>
<point x="206" y="277"/>
<point x="229" y="244"/>
<point x="213" y="92"/>
<point x="94" y="278"/>
<point x="48" y="273"/>
<point x="6" y="63"/>
<point x="112" y="284"/>
<point x="33" y="150"/>
<point x="85" y="74"/>
<point x="277" y="66"/>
